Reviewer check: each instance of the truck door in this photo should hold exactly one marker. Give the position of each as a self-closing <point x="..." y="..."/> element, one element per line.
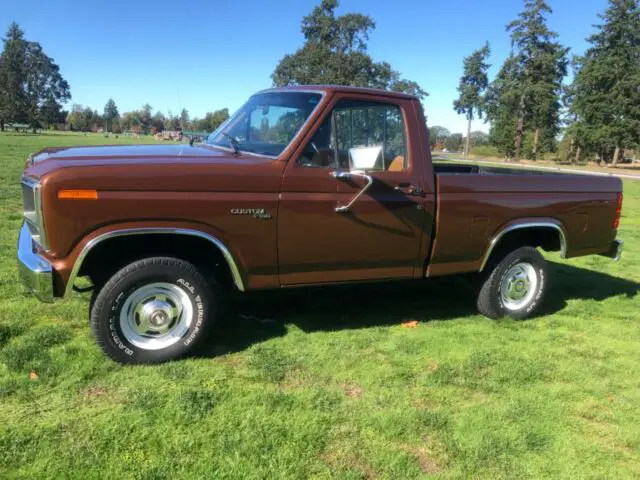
<point x="353" y="204"/>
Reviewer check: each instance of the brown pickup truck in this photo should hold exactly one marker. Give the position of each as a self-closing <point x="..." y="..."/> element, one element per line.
<point x="301" y="186"/>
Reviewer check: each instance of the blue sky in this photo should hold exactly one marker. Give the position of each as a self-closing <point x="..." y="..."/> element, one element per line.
<point x="206" y="55"/>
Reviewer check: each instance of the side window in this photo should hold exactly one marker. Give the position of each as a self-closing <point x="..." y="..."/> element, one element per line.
<point x="359" y="135"/>
<point x="320" y="151"/>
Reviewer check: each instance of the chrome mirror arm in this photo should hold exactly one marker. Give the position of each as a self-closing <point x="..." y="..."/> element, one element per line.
<point x="345" y="175"/>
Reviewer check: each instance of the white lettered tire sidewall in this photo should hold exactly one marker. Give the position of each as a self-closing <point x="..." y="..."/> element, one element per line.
<point x="530" y="307"/>
<point x="490" y="302"/>
<point x="105" y="314"/>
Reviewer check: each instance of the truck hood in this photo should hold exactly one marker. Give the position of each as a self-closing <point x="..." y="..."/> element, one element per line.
<point x="160" y="168"/>
<point x="60" y="157"/>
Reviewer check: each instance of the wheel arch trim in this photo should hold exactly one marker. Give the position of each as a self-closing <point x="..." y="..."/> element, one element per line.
<point x="525" y="225"/>
<point x="91" y="244"/>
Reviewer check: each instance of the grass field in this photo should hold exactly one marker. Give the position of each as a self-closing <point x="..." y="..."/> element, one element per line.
<point x="328" y="384"/>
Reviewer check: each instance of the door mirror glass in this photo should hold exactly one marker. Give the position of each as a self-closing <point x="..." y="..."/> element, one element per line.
<point x="365" y="158"/>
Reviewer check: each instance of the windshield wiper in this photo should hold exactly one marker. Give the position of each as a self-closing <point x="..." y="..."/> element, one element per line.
<point x="234" y="142"/>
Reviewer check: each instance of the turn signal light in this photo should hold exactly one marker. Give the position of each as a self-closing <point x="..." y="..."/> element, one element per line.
<point x="78" y="194"/>
<point x="616" y="222"/>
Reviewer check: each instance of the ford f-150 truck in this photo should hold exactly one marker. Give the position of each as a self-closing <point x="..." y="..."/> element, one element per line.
<point x="301" y="186"/>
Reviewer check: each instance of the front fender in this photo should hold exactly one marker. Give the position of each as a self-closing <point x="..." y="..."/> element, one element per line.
<point x="67" y="268"/>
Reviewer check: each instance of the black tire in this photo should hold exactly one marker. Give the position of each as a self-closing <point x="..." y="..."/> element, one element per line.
<point x="183" y="290"/>
<point x="491" y="301"/>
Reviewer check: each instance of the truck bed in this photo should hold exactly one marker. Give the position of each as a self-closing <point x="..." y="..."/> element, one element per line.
<point x="475" y="202"/>
<point x="453" y="169"/>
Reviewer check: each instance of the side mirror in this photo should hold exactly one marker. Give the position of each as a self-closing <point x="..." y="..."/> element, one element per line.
<point x="343" y="175"/>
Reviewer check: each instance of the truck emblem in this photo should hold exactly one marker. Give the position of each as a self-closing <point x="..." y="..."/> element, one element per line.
<point x="260" y="213"/>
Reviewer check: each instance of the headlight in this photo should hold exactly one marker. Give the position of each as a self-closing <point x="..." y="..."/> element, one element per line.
<point x="32" y="201"/>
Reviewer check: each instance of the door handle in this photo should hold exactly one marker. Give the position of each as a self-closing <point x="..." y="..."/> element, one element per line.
<point x="409" y="189"/>
<point x="345" y="175"/>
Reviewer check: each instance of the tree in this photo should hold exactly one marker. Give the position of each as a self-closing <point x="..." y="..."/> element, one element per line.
<point x="453" y="142"/>
<point x="12" y="62"/>
<point x="335" y="52"/>
<point x="111" y="114"/>
<point x="158" y="121"/>
<point x="51" y="113"/>
<point x="131" y="121"/>
<point x="42" y="82"/>
<point x="171" y="122"/>
<point x="28" y="79"/>
<point x="501" y="104"/>
<point x="212" y="120"/>
<point x="184" y="119"/>
<point x="606" y="96"/>
<point x="437" y="136"/>
<point x="472" y="86"/>
<point x="479" y="138"/>
<point x="145" y="117"/>
<point x="84" y="119"/>
<point x="75" y="118"/>
<point x="541" y="64"/>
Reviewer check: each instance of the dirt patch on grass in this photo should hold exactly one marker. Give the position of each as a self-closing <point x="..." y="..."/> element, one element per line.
<point x="605" y="434"/>
<point x="423" y="403"/>
<point x="352" y="390"/>
<point x="427" y="463"/>
<point x="230" y="359"/>
<point x="94" y="392"/>
<point x="98" y="394"/>
<point x="295" y="379"/>
<point x="340" y="459"/>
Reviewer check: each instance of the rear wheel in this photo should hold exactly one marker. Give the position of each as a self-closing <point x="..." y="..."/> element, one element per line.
<point x="153" y="310"/>
<point x="515" y="286"/>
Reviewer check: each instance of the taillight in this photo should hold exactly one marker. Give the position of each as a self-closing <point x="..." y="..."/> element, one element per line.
<point x="616" y="222"/>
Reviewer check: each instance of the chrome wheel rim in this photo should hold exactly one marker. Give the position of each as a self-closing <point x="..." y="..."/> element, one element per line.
<point x="155" y="316"/>
<point x="518" y="286"/>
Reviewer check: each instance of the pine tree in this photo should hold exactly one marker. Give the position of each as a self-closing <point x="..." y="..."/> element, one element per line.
<point x="110" y="114"/>
<point x="541" y="64"/>
<point x="12" y="61"/>
<point x="472" y="86"/>
<point x="184" y="119"/>
<point x="501" y="103"/>
<point x="606" y="98"/>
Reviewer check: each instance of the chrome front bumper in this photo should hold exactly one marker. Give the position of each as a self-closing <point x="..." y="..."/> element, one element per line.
<point x="615" y="250"/>
<point x="35" y="272"/>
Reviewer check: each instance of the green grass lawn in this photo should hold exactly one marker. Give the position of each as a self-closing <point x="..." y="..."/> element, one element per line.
<point x="328" y="384"/>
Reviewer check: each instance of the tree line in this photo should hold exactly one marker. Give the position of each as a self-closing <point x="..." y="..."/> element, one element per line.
<point x="143" y="120"/>
<point x="33" y="92"/>
<point x="529" y="105"/>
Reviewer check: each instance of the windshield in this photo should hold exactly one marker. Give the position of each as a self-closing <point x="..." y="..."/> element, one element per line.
<point x="267" y="123"/>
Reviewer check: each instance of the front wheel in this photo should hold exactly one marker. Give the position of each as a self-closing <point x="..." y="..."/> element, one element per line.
<point x="516" y="285"/>
<point x="153" y="310"/>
